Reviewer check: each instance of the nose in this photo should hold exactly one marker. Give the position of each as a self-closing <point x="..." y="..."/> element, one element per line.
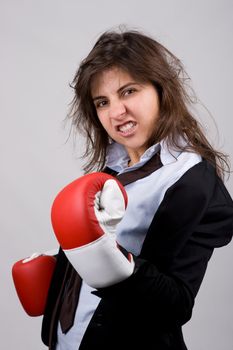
<point x="117" y="110"/>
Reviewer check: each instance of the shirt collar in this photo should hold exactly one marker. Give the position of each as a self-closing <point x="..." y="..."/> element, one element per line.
<point x="117" y="157"/>
<point x="169" y="154"/>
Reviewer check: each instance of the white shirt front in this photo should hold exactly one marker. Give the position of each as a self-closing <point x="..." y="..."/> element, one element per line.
<point x="144" y="198"/>
<point x="86" y="307"/>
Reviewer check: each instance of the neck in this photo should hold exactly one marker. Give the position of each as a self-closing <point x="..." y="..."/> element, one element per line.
<point x="134" y="159"/>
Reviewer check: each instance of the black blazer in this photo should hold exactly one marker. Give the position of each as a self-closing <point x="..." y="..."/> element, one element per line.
<point x="147" y="310"/>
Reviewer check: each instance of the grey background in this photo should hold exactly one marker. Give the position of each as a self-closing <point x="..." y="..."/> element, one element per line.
<point x="42" y="43"/>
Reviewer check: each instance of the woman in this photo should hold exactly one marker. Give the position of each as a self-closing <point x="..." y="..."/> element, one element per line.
<point x="131" y="104"/>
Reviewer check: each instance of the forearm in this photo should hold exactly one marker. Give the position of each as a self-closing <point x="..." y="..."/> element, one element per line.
<point x="157" y="293"/>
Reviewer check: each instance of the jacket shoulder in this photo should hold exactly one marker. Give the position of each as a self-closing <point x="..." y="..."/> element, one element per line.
<point x="197" y="206"/>
<point x="202" y="185"/>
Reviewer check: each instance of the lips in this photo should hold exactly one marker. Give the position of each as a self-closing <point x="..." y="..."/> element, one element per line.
<point x="126" y="128"/>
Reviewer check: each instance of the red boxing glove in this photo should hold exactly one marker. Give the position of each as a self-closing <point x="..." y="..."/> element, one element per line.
<point x="32" y="277"/>
<point x="84" y="218"/>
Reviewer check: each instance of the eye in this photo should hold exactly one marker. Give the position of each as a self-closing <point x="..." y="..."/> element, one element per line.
<point x="101" y="103"/>
<point x="129" y="91"/>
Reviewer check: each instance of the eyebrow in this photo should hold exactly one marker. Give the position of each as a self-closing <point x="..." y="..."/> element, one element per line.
<point x="118" y="91"/>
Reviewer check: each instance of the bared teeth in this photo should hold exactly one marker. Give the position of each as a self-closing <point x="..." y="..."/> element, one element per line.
<point x="126" y="127"/>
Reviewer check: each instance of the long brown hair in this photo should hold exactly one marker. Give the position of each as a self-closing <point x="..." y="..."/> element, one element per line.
<point x="146" y="60"/>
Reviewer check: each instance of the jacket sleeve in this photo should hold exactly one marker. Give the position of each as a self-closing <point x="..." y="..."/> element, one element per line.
<point x="195" y="216"/>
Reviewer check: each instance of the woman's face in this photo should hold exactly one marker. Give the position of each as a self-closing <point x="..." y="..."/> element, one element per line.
<point x="127" y="109"/>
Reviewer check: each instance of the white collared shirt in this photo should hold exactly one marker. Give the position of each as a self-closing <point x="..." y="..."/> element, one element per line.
<point x="146" y="194"/>
<point x="144" y="198"/>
